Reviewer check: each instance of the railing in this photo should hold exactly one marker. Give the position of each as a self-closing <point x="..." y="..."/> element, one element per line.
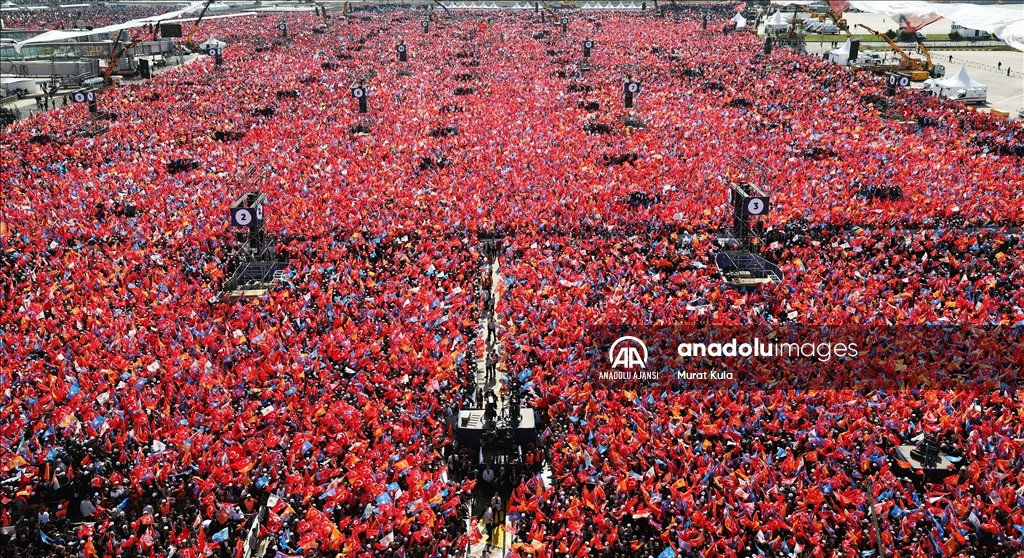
<point x="1010" y="72"/>
<point x="962" y="43"/>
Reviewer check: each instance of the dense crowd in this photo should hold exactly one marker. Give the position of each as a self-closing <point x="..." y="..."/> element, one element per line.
<point x="89" y="17"/>
<point x="134" y="400"/>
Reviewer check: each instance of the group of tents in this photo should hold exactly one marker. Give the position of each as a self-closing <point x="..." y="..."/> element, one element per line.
<point x="960" y="86"/>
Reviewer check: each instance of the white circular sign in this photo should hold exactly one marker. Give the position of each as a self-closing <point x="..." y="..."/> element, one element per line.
<point x="401" y="48"/>
<point x="633" y="87"/>
<point x="79" y="97"/>
<point x="565" y="21"/>
<point x="425" y="24"/>
<point x="259" y="212"/>
<point x="243" y="217"/>
<point x="904" y="81"/>
<point x="755" y="206"/>
<point x="214" y="52"/>
<point x="588" y="44"/>
<point x="90" y="96"/>
<point x="282" y="27"/>
<point x="707" y="18"/>
<point x="357" y="92"/>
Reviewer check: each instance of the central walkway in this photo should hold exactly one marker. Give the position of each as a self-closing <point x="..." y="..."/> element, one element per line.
<point x="490" y="379"/>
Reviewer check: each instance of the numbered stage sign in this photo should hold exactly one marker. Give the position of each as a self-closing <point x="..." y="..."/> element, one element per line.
<point x="899" y="80"/>
<point x="83" y="97"/>
<point x="246" y="216"/>
<point x="755" y="206"/>
<point x="632" y="87"/>
<point x="242" y="217"/>
<point x="215" y="52"/>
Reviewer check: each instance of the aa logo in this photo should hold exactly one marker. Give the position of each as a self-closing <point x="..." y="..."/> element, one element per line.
<point x="628" y="353"/>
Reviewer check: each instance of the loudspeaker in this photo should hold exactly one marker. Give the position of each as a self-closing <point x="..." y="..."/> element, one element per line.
<point x="767" y="46"/>
<point x="144" y="69"/>
<point x="854" y="50"/>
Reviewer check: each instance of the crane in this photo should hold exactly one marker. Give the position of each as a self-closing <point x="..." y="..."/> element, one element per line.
<point x="934" y="70"/>
<point x="919" y="70"/>
<point x="189" y="40"/>
<point x="116" y="53"/>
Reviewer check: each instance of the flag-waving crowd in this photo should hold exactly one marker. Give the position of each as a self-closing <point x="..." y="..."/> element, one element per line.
<point x="141" y="417"/>
<point x="90" y="16"/>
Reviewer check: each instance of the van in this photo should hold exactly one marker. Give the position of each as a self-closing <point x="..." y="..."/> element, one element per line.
<point x="870" y="57"/>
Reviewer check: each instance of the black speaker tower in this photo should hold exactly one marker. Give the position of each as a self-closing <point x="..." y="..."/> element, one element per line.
<point x="253" y="266"/>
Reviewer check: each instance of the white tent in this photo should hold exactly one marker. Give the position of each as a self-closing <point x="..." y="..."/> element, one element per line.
<point x="841" y="55"/>
<point x="212" y="43"/>
<point x="960" y="87"/>
<point x="741" y="22"/>
<point x="776" y="24"/>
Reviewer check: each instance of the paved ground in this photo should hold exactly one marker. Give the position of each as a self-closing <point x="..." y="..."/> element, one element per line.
<point x="27" y="106"/>
<point x="1005" y="93"/>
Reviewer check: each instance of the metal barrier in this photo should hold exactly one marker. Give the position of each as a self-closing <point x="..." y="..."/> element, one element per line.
<point x="972" y="64"/>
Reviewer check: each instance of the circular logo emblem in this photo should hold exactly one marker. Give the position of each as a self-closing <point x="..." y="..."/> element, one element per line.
<point x="213" y="52"/>
<point x="707" y="18"/>
<point x="243" y="217"/>
<point x="401" y="48"/>
<point x="628" y="352"/>
<point x="588" y="44"/>
<point x="755" y="206"/>
<point x="282" y="27"/>
<point x="633" y="87"/>
<point x="904" y="81"/>
<point x="79" y="97"/>
<point x="357" y="92"/>
<point x="425" y="24"/>
<point x="565" y="21"/>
